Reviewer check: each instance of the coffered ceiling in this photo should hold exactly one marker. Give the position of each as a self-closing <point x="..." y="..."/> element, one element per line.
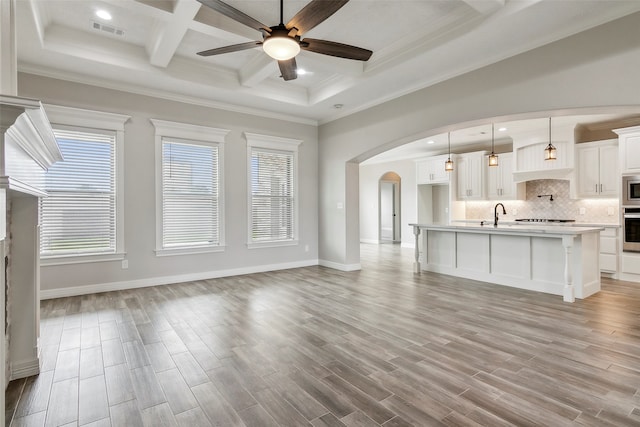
<point x="149" y="47"/>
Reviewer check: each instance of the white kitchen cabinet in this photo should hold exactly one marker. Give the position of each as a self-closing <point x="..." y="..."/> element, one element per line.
<point x="597" y="169"/>
<point x="431" y="170"/>
<point x="609" y="250"/>
<point x="470" y="175"/>
<point x="629" y="151"/>
<point x="500" y="183"/>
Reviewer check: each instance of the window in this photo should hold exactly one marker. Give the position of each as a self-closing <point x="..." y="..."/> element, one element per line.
<point x="81" y="220"/>
<point x="272" y="190"/>
<point x="189" y="180"/>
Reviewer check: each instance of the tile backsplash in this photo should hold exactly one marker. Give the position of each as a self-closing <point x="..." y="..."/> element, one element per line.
<point x="598" y="211"/>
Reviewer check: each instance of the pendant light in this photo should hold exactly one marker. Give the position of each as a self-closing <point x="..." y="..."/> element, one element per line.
<point x="550" y="151"/>
<point x="493" y="158"/>
<point x="448" y="165"/>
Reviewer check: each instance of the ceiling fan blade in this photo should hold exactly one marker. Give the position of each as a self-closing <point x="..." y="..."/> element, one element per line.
<point x="228" y="49"/>
<point x="235" y="14"/>
<point x="314" y="13"/>
<point x="340" y="50"/>
<point x="289" y="69"/>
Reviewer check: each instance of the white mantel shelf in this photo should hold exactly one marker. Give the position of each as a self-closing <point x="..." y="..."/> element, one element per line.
<point x="560" y="260"/>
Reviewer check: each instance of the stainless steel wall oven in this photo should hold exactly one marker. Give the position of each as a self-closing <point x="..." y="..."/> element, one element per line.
<point x="631" y="230"/>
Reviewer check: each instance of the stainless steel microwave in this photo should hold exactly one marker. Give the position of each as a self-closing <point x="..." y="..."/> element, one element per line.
<point x="631" y="190"/>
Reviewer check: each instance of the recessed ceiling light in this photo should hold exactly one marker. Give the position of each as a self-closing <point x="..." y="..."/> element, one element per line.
<point x="338" y="106"/>
<point x="501" y="129"/>
<point x="431" y="141"/>
<point x="103" y="14"/>
<point x="301" y="71"/>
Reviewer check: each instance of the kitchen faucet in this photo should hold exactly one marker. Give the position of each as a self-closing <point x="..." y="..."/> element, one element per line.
<point x="495" y="213"/>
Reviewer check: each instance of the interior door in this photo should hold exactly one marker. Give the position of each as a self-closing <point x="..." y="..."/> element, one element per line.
<point x="387" y="211"/>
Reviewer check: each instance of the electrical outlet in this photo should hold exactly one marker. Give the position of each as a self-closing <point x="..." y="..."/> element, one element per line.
<point x="515" y="211"/>
<point x="610" y="210"/>
<point x="583" y="211"/>
<point x="125" y="264"/>
<point x="306" y="248"/>
<point x="340" y="205"/>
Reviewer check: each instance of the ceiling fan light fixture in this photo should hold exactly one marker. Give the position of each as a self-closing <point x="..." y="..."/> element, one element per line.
<point x="281" y="48"/>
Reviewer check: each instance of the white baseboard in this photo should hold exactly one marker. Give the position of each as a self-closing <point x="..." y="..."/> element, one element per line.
<point x="25" y="368"/>
<point x="166" y="280"/>
<point x="338" y="266"/>
<point x="371" y="241"/>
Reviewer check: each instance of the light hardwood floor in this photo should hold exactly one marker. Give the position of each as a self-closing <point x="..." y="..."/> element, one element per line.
<point x="315" y="346"/>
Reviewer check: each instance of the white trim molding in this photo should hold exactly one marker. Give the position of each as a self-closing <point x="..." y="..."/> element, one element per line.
<point x="339" y="266"/>
<point x="167" y="280"/>
<point x="25" y="368"/>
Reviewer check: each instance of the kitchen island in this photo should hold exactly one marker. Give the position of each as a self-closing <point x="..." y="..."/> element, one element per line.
<point x="555" y="259"/>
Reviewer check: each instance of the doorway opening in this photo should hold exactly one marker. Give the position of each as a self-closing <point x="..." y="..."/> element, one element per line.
<point x="389" y="208"/>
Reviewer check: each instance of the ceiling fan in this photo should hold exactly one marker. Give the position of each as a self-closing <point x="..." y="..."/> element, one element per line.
<point x="283" y="42"/>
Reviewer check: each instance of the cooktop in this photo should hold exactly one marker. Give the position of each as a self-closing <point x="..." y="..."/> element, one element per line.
<point x="544" y="220"/>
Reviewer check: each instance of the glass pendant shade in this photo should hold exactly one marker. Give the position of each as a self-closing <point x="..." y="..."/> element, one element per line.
<point x="448" y="165"/>
<point x="281" y="48"/>
<point x="550" y="151"/>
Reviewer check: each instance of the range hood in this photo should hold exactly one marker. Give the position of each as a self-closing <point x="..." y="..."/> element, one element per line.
<point x="555" y="173"/>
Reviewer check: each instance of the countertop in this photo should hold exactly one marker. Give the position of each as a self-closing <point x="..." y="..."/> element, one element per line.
<point x="550" y="224"/>
<point x="505" y="228"/>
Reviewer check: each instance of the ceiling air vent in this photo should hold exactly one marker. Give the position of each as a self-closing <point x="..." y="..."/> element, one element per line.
<point x="107" y="28"/>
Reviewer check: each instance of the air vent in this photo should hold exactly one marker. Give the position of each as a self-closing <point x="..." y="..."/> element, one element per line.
<point x="107" y="28"/>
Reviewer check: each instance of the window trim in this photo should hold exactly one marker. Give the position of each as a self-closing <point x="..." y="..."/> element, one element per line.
<point x="192" y="134"/>
<point x="100" y="120"/>
<point x="276" y="143"/>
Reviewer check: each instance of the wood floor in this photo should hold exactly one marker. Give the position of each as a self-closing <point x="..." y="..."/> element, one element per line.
<point x="315" y="346"/>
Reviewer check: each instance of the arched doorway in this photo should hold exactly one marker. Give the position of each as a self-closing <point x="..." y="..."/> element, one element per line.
<point x="389" y="208"/>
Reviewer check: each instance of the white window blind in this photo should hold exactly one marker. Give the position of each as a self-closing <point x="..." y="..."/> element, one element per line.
<point x="79" y="216"/>
<point x="190" y="194"/>
<point x="272" y="195"/>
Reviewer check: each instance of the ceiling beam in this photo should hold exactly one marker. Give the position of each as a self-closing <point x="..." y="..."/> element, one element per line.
<point x="260" y="67"/>
<point x="485" y="6"/>
<point x="164" y="41"/>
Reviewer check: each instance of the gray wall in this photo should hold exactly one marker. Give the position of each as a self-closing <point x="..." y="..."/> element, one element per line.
<point x="589" y="72"/>
<point x="144" y="267"/>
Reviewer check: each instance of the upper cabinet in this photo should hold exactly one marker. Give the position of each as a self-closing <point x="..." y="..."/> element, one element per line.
<point x="470" y="174"/>
<point x="431" y="170"/>
<point x="500" y="183"/>
<point x="629" y="151"/>
<point x="597" y="169"/>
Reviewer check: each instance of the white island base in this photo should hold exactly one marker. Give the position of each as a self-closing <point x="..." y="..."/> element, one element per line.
<point x="554" y="259"/>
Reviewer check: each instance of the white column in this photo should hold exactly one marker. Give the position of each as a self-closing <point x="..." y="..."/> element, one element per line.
<point x="568" y="293"/>
<point x="8" y="50"/>
<point x="416" y="263"/>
